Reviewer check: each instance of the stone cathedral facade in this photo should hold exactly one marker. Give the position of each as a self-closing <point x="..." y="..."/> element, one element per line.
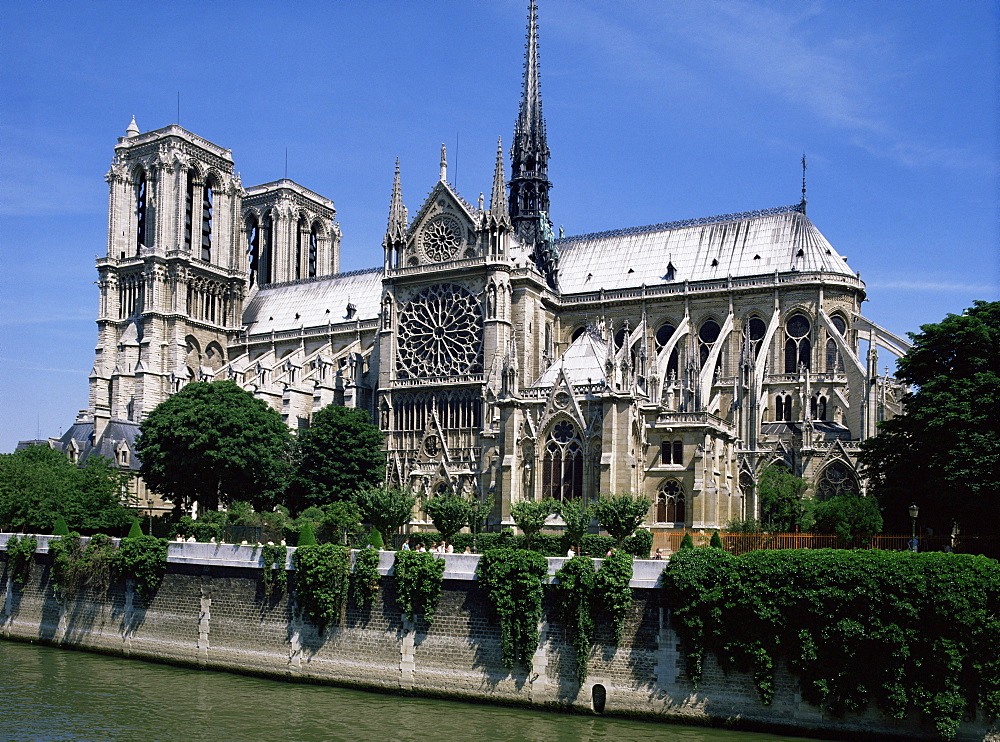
<point x="676" y="359"/>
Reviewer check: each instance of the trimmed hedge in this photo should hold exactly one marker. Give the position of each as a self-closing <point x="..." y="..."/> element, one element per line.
<point x="640" y="545"/>
<point x="913" y="634"/>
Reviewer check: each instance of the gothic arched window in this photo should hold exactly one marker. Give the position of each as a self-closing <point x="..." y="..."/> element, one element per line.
<point x="707" y="336"/>
<point x="267" y="249"/>
<point x="670" y="503"/>
<point x="798" y="349"/>
<point x="206" y="222"/>
<point x="141" y="209"/>
<point x="253" y="247"/>
<point x="313" y="248"/>
<point x="836" y="479"/>
<point x="189" y="210"/>
<point x="562" y="463"/>
<point x="756" y="329"/>
<point x="663" y="335"/>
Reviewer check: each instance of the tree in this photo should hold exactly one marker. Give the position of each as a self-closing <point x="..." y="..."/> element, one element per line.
<point x="530" y="516"/>
<point x="39" y="484"/>
<point x="213" y="443"/>
<point x="449" y="513"/>
<point x="577" y="516"/>
<point x="943" y="452"/>
<point x="782" y="508"/>
<point x="340" y="453"/>
<point x="851" y="517"/>
<point x="479" y="512"/>
<point x="386" y="508"/>
<point x="620" y="515"/>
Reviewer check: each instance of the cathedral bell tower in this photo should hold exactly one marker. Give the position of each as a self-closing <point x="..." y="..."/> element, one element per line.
<point x="175" y="275"/>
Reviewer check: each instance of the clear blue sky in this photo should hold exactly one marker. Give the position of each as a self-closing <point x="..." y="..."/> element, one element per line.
<point x="656" y="111"/>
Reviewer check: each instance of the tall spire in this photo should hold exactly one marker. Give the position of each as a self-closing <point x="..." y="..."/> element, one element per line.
<point x="396" y="231"/>
<point x="529" y="152"/>
<point x="498" y="199"/>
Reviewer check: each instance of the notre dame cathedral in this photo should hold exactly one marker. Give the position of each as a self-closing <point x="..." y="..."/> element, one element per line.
<point x="676" y="359"/>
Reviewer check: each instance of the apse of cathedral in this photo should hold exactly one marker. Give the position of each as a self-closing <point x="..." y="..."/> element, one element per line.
<point x="676" y="360"/>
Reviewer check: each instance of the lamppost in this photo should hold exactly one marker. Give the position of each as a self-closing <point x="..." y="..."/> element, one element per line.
<point x="149" y="505"/>
<point x="914" y="512"/>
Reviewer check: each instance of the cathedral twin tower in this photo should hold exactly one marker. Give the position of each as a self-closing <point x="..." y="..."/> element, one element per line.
<point x="676" y="359"/>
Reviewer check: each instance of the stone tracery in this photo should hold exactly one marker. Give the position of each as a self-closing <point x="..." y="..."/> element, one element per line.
<point x="440" y="334"/>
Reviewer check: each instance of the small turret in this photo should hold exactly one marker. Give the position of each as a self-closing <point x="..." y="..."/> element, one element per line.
<point x="133" y="128"/>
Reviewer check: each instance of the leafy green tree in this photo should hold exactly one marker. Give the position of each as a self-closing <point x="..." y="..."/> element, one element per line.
<point x="577" y="516"/>
<point x="449" y="512"/>
<point x="782" y="507"/>
<point x="620" y="515"/>
<point x="38" y="484"/>
<point x="530" y="516"/>
<point x="850" y="517"/>
<point x="306" y="535"/>
<point x="716" y="542"/>
<point x="386" y="508"/>
<point x="339" y="454"/>
<point x="213" y="443"/>
<point x="943" y="452"/>
<point x="479" y="512"/>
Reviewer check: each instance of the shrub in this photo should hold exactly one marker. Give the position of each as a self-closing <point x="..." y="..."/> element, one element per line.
<point x="419" y="576"/>
<point x="143" y="558"/>
<point x="306" y="535"/>
<point x="530" y="516"/>
<point x="687" y="542"/>
<point x="716" y="542"/>
<point x="512" y="579"/>
<point x="375" y="539"/>
<point x="68" y="571"/>
<point x="640" y="544"/>
<point x="20" y="557"/>
<point x="60" y="528"/>
<point x="321" y="582"/>
<point x="913" y="634"/>
<point x="135" y="530"/>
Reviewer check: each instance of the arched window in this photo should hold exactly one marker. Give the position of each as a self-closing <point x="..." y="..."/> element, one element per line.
<point x="253" y="247"/>
<point x="266" y="249"/>
<point x="206" y="222"/>
<point x="707" y="336"/>
<point x="189" y="210"/>
<point x="577" y="333"/>
<point x="836" y="479"/>
<point x="756" y="329"/>
<point x="663" y="335"/>
<point x="783" y="408"/>
<point x="300" y="233"/>
<point x="562" y="463"/>
<point x="670" y="503"/>
<point x="313" y="249"/>
<point x="798" y="349"/>
<point x="817" y="407"/>
<point x="141" y="208"/>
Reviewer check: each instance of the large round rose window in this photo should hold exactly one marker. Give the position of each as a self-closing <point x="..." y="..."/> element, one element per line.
<point x="440" y="334"/>
<point x="441" y="238"/>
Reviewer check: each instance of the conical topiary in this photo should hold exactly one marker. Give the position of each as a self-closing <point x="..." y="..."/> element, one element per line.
<point x="375" y="539"/>
<point x="687" y="542"/>
<point x="306" y="535"/>
<point x="136" y="530"/>
<point x="716" y="540"/>
<point x="60" y="528"/>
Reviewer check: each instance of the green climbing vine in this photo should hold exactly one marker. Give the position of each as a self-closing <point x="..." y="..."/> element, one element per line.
<point x="143" y="558"/>
<point x="512" y="579"/>
<point x="912" y="634"/>
<point x="274" y="558"/>
<point x="68" y="573"/>
<point x="611" y="586"/>
<point x="419" y="576"/>
<point x="574" y="598"/>
<point x="20" y="557"/>
<point x="321" y="582"/>
<point x="366" y="577"/>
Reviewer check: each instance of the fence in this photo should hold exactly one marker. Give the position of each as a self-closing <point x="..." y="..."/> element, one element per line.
<point x="740" y="543"/>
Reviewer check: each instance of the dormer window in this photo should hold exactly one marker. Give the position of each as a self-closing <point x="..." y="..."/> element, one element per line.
<point x="671" y="272"/>
<point x="351" y="311"/>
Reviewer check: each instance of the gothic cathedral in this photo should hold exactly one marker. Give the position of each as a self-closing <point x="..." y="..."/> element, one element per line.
<point x="675" y="360"/>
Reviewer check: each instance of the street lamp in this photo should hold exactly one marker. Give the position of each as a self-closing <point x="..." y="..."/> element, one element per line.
<point x="914" y="512"/>
<point x="149" y="505"/>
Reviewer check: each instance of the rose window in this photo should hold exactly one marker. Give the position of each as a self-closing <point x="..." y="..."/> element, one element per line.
<point x="441" y="238"/>
<point x="440" y="334"/>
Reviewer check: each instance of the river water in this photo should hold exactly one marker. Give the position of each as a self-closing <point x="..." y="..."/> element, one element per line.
<point x="59" y="694"/>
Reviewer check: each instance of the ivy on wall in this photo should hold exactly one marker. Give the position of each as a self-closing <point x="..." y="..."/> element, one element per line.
<point x="365" y="578"/>
<point x="274" y="558"/>
<point x="321" y="582"/>
<point x="573" y="592"/>
<point x="512" y="579"/>
<point x="20" y="557"/>
<point x="913" y="634"/>
<point x="419" y="576"/>
<point x="611" y="586"/>
<point x="143" y="558"/>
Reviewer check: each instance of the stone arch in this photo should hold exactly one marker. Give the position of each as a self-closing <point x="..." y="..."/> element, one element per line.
<point x="215" y="356"/>
<point x="562" y="459"/>
<point x="671" y="502"/>
<point x="838" y="477"/>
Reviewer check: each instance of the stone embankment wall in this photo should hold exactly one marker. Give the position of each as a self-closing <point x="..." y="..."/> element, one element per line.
<point x="210" y="612"/>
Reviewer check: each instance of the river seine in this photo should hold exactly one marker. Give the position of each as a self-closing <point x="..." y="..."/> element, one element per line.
<point x="59" y="694"/>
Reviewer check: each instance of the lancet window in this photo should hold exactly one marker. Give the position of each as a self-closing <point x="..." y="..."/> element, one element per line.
<point x="663" y="334"/>
<point x="266" y="249"/>
<point x="455" y="410"/>
<point x="141" y="209"/>
<point x="670" y="503"/>
<point x="834" y="361"/>
<point x="782" y="407"/>
<point x="798" y="349"/>
<point x="253" y="247"/>
<point x="756" y="329"/>
<point x="189" y="210"/>
<point x="206" y="222"/>
<point x="817" y="407"/>
<point x="707" y="336"/>
<point x="313" y="249"/>
<point x="131" y="294"/>
<point x="562" y="463"/>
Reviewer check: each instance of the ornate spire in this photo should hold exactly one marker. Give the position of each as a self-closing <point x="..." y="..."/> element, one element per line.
<point x="396" y="231"/>
<point x="498" y="199"/>
<point x="444" y="164"/>
<point x="529" y="152"/>
<point x="802" y="204"/>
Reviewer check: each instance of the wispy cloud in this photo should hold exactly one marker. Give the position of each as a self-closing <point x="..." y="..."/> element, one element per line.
<point x="11" y="363"/>
<point x="936" y="286"/>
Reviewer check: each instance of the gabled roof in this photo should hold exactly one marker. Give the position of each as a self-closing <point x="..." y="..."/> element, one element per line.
<point x="115" y="432"/>
<point x="316" y="302"/>
<point x="713" y="248"/>
<point x="583" y="362"/>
